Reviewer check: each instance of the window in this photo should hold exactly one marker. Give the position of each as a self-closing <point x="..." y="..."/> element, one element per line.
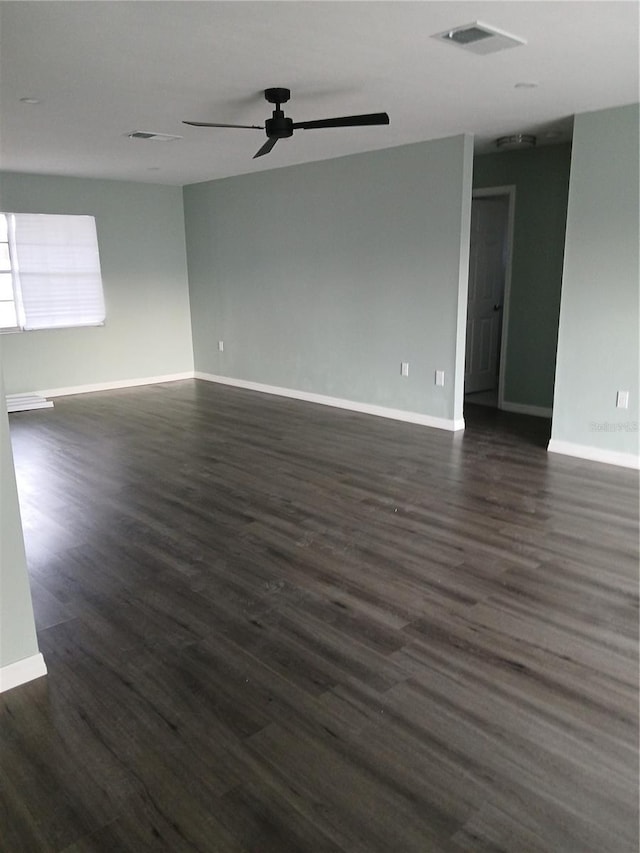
<point x="49" y="272"/>
<point x="8" y="319"/>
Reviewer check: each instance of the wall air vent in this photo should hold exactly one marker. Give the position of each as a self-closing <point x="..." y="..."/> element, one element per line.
<point x="152" y="137"/>
<point x="479" y="38"/>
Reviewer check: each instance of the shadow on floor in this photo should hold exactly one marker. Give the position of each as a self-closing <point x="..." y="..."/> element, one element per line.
<point x="484" y="420"/>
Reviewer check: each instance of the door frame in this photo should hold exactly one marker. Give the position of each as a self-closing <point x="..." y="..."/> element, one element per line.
<point x="509" y="191"/>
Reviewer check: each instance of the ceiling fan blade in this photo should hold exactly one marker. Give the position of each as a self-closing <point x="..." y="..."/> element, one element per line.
<point x="266" y="147"/>
<point x="344" y="121"/>
<point x="212" y="124"/>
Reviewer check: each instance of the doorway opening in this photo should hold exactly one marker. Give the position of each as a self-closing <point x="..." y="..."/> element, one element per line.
<point x="490" y="260"/>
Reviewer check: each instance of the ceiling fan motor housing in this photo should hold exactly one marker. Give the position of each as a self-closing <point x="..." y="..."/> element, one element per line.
<point x="279" y="127"/>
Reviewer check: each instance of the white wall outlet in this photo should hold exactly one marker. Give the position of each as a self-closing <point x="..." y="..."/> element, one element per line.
<point x="220" y="346"/>
<point x="404" y="368"/>
<point x="439" y="377"/>
<point x="622" y="400"/>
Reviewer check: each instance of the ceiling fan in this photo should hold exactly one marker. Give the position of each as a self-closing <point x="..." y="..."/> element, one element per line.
<point x="281" y="127"/>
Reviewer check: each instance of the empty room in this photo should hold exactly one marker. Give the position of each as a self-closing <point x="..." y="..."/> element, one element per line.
<point x="319" y="372"/>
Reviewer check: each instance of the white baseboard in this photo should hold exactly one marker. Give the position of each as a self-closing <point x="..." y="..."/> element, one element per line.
<point x="452" y="425"/>
<point x="595" y="454"/>
<point x="115" y="384"/>
<point x="524" y="409"/>
<point x="15" y="674"/>
<point x="338" y="402"/>
<point x="26" y="402"/>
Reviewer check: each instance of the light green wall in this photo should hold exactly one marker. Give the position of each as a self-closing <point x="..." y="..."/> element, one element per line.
<point x="17" y="628"/>
<point x="541" y="178"/>
<point x="598" y="340"/>
<point x="323" y="278"/>
<point x="142" y="253"/>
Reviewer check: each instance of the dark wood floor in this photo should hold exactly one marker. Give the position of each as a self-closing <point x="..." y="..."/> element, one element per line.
<point x="272" y="626"/>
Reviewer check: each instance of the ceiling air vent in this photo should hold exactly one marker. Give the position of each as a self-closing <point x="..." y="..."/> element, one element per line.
<point x="152" y="137"/>
<point x="479" y="38"/>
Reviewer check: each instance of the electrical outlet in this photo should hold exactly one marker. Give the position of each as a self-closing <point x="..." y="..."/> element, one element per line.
<point x="404" y="368"/>
<point x="440" y="377"/>
<point x="622" y="400"/>
<point x="220" y="346"/>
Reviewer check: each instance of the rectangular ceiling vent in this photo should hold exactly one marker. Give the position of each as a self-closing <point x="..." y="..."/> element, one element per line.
<point x="152" y="137"/>
<point x="479" y="38"/>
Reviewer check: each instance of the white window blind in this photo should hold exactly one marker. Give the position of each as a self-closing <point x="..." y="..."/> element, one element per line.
<point x="8" y="319"/>
<point x="56" y="270"/>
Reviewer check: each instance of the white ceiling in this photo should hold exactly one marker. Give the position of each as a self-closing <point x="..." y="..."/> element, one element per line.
<point x="103" y="69"/>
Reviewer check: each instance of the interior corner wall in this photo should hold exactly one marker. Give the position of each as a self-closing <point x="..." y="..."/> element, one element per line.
<point x="147" y="332"/>
<point x="598" y="349"/>
<point x="18" y="640"/>
<point x="541" y="179"/>
<point x="324" y="277"/>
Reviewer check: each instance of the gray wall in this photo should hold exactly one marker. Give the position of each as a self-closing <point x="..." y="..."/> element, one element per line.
<point x="541" y="178"/>
<point x="142" y="253"/>
<point x="17" y="628"/>
<point x="598" y="340"/>
<point x="324" y="277"/>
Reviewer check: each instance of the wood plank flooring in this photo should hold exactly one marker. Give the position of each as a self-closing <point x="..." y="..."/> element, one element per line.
<point x="272" y="626"/>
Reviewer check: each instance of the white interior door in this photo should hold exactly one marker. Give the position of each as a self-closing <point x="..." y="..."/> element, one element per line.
<point x="487" y="271"/>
